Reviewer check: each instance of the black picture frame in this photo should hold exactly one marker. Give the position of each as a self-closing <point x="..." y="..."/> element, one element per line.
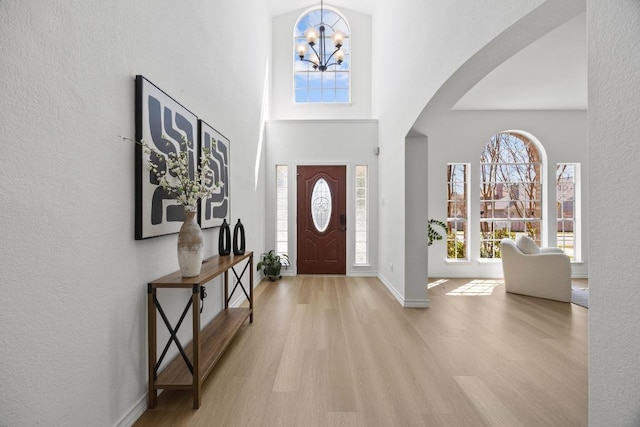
<point x="216" y="208"/>
<point x="162" y="122"/>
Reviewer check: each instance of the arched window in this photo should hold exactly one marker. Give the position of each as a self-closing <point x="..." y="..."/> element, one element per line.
<point x="312" y="85"/>
<point x="511" y="191"/>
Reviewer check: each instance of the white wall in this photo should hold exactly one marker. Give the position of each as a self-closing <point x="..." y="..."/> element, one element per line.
<point x="301" y="134"/>
<point x="72" y="300"/>
<point x="416" y="176"/>
<point x="614" y="155"/>
<point x="324" y="142"/>
<point x="283" y="105"/>
<point x="460" y="136"/>
<point x="454" y="48"/>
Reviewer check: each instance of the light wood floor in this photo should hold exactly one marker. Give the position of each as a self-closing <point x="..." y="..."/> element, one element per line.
<point x="336" y="351"/>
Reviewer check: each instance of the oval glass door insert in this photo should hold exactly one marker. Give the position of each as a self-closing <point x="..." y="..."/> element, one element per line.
<point x="321" y="205"/>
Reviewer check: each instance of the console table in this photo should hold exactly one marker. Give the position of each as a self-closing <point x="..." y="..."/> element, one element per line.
<point x="195" y="361"/>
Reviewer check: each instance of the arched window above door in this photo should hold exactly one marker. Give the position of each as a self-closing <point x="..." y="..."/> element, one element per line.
<point x="333" y="84"/>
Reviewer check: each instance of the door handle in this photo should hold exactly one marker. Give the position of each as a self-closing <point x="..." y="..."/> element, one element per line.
<point x="343" y="222"/>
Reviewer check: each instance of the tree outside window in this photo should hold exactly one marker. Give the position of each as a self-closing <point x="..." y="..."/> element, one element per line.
<point x="457" y="210"/>
<point x="510" y="192"/>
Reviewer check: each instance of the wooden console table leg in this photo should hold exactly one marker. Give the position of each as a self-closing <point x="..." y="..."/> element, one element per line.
<point x="228" y="326"/>
<point x="226" y="289"/>
<point x="151" y="336"/>
<point x="251" y="287"/>
<point x="197" y="383"/>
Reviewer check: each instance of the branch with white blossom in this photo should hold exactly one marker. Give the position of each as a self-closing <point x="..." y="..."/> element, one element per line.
<point x="186" y="190"/>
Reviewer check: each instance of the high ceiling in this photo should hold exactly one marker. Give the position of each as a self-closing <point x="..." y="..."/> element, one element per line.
<point x="278" y="7"/>
<point x="549" y="74"/>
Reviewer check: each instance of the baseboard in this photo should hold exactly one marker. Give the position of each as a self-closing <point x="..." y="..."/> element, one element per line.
<point x="467" y="275"/>
<point x="360" y="273"/>
<point x="416" y="303"/>
<point x="485" y="276"/>
<point x="413" y="303"/>
<point x="579" y="276"/>
<point x="134" y="413"/>
<point x="391" y="289"/>
<point x="238" y="301"/>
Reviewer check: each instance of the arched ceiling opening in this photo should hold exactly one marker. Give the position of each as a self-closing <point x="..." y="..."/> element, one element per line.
<point x="544" y="25"/>
<point x="549" y="74"/>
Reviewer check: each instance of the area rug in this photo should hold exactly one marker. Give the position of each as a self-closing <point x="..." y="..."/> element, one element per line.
<point x="580" y="296"/>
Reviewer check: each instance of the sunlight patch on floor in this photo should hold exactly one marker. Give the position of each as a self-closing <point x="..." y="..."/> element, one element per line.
<point x="476" y="287"/>
<point x="436" y="283"/>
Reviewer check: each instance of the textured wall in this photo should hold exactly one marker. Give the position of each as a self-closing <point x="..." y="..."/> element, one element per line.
<point x="614" y="155"/>
<point x="72" y="294"/>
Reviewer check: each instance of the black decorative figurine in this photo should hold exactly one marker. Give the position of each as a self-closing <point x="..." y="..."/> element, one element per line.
<point x="224" y="239"/>
<point x="238" y="233"/>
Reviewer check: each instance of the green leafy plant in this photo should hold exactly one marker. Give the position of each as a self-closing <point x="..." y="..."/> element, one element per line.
<point x="456" y="249"/>
<point x="271" y="264"/>
<point x="432" y="233"/>
<point x="490" y="243"/>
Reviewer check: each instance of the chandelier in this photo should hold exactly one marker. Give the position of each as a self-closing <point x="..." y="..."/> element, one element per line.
<point x="319" y="57"/>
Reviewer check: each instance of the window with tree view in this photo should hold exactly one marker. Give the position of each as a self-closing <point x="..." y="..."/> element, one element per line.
<point x="457" y="210"/>
<point x="567" y="231"/>
<point x="510" y="192"/>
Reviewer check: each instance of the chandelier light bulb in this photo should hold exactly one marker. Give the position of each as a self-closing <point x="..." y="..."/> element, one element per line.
<point x="312" y="35"/>
<point x="302" y="50"/>
<point x="315" y="51"/>
<point x="338" y="38"/>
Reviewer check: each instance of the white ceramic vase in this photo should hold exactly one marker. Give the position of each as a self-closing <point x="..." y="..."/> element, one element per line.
<point x="190" y="246"/>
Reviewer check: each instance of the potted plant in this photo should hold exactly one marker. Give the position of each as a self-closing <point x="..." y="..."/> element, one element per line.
<point x="271" y="263"/>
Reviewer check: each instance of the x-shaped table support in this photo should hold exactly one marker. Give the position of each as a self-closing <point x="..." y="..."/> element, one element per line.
<point x="173" y="337"/>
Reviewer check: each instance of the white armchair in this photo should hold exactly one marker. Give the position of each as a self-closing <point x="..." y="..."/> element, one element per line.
<point x="537" y="272"/>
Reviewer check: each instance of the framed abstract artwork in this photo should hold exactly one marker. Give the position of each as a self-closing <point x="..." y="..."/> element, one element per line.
<point x="216" y="207"/>
<point x="168" y="127"/>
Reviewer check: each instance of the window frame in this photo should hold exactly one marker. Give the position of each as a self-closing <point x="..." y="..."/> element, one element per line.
<point x="508" y="226"/>
<point x="282" y="211"/>
<point x="451" y="237"/>
<point x="575" y="219"/>
<point x="305" y="71"/>
<point x="366" y="219"/>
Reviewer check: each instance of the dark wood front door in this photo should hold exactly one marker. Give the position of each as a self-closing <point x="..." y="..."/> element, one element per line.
<point x="322" y="220"/>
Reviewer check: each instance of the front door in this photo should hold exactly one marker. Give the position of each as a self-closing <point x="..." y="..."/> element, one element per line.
<point x="322" y="220"/>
